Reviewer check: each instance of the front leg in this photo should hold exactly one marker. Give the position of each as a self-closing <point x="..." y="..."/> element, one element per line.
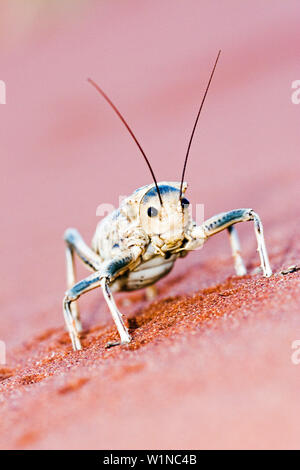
<point x="116" y="314"/>
<point x="104" y="277"/>
<point x="89" y="283"/>
<point x="225" y="220"/>
<point x="75" y="244"/>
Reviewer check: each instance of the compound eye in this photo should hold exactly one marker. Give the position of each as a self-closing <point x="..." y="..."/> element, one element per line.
<point x="152" y="212"/>
<point x="185" y="203"/>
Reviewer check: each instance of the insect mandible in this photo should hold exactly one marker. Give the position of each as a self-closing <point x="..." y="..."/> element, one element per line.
<point x="138" y="244"/>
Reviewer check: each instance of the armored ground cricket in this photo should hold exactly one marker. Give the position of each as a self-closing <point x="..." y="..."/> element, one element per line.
<point x="138" y="244"/>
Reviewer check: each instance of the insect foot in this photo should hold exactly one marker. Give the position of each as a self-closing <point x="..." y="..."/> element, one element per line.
<point x="111" y="344"/>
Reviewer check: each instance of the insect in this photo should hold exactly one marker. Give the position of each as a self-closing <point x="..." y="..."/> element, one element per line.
<point x="138" y="244"/>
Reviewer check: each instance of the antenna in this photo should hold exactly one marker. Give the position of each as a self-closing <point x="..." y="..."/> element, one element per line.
<point x="129" y="130"/>
<point x="194" y="128"/>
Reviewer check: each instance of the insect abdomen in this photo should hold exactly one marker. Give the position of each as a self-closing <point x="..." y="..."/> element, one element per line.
<point x="147" y="273"/>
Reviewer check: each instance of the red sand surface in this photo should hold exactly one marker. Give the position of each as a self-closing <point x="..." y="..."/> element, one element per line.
<point x="210" y="362"/>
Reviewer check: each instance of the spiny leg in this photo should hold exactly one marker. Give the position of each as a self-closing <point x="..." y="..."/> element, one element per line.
<point x="262" y="250"/>
<point x="226" y="219"/>
<point x="87" y="284"/>
<point x="105" y="275"/>
<point x="71" y="279"/>
<point x="111" y="272"/>
<point x="76" y="244"/>
<point x="116" y="314"/>
<point x="239" y="265"/>
<point x="92" y="282"/>
<point x="71" y="324"/>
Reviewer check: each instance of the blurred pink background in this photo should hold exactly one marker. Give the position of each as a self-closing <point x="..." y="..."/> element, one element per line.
<point x="63" y="151"/>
